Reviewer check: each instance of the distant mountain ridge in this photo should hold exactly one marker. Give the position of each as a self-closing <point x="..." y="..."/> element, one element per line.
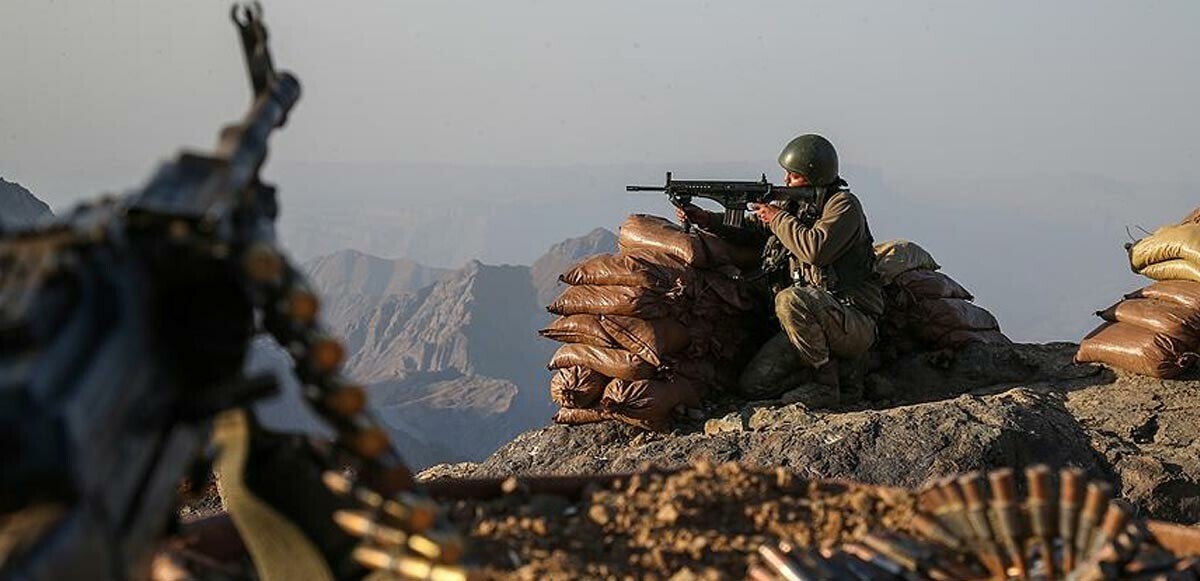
<point x="19" y="207"/>
<point x="451" y="358"/>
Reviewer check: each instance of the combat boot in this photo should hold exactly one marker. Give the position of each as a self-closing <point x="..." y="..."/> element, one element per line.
<point x="821" y="392"/>
<point x="852" y="375"/>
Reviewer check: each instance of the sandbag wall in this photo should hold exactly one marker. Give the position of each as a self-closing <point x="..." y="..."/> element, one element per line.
<point x="924" y="308"/>
<point x="1155" y="331"/>
<point x="648" y="331"/>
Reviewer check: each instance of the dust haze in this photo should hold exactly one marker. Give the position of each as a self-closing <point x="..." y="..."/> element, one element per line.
<point x="1018" y="141"/>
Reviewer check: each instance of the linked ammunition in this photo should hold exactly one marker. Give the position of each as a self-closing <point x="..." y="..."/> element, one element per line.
<point x="782" y="564"/>
<point x="1008" y="518"/>
<point x="972" y="485"/>
<point x="409" y="566"/>
<point x="411" y="512"/>
<point x="955" y="508"/>
<point x="1094" y="505"/>
<point x="1041" y="514"/>
<point x="1071" y="484"/>
<point x="445" y="548"/>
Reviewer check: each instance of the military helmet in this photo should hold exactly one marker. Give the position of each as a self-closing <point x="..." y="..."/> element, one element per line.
<point x="811" y="156"/>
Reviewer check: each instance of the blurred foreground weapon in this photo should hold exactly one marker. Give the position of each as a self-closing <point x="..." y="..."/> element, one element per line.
<point x="123" y="330"/>
<point x="733" y="196"/>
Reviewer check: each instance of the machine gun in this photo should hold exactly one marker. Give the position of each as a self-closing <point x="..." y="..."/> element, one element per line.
<point x="732" y="195"/>
<point x="123" y="329"/>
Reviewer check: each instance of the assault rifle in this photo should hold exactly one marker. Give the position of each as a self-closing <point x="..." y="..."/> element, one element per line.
<point x="123" y="330"/>
<point x="732" y="195"/>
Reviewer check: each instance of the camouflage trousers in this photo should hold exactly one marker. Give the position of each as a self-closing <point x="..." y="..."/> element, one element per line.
<point x="815" y="329"/>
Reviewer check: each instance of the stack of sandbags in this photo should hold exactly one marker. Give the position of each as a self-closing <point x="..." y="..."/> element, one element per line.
<point x="1156" y="330"/>
<point x="925" y="308"/>
<point x="1170" y="253"/>
<point x="648" y="331"/>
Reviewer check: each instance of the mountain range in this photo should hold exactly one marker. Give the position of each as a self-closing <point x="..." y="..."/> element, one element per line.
<point x="19" y="207"/>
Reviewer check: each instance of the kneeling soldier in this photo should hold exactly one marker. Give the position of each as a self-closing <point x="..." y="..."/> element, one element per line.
<point x="818" y="260"/>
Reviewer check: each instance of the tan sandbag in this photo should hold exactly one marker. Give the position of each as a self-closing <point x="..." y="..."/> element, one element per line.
<point x="578" y="417"/>
<point x="645" y="232"/>
<point x="928" y="284"/>
<point x="1135" y="349"/>
<point x="585" y="329"/>
<point x="617" y="363"/>
<point x="637" y="268"/>
<point x="953" y="314"/>
<point x="650" y="339"/>
<point x="611" y="300"/>
<point x="648" y="404"/>
<point x="577" y="387"/>
<point x="1193" y="218"/>
<point x="1173" y="270"/>
<point x="696" y="248"/>
<point x="1185" y="293"/>
<point x="1171" y="319"/>
<point x="959" y="339"/>
<point x="898" y="256"/>
<point x="1180" y="242"/>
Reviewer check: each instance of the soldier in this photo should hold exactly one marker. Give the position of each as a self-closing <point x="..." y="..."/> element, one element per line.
<point x="818" y="261"/>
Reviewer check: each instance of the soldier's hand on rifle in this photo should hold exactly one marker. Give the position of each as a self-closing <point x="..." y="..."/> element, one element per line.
<point x="692" y="213"/>
<point x="765" y="212"/>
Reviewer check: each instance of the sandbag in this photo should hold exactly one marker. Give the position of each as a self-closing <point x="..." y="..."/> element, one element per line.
<point x="650" y="339"/>
<point x="577" y="387"/>
<point x="1135" y="349"/>
<point x="696" y="248"/>
<point x="578" y="417"/>
<point x="1193" y="218"/>
<point x="927" y="284"/>
<point x="1185" y="293"/>
<point x="617" y="363"/>
<point x="645" y="232"/>
<point x="898" y="256"/>
<point x="952" y="315"/>
<point x="611" y="300"/>
<point x="1172" y="270"/>
<point x="729" y="295"/>
<point x="648" y="404"/>
<point x="637" y="268"/>
<point x="585" y="329"/>
<point x="1171" y="319"/>
<point x="1180" y="242"/>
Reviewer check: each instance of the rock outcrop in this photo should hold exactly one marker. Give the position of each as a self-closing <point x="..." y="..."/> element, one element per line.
<point x="19" y="207"/>
<point x="993" y="406"/>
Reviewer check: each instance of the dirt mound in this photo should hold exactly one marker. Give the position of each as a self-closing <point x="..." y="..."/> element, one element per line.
<point x="705" y="521"/>
<point x="992" y="406"/>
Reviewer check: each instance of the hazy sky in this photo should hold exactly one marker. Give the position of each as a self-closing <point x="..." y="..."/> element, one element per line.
<point x="104" y="88"/>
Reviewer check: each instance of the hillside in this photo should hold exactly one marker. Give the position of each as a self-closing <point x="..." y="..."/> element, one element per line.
<point x="19" y="207"/>
<point x="995" y="406"/>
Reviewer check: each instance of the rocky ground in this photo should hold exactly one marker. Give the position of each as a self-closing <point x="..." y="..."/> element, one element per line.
<point x="990" y="406"/>
<point x="701" y="523"/>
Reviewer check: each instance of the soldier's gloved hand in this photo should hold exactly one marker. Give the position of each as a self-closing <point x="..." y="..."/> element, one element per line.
<point x="765" y="212"/>
<point x="692" y="213"/>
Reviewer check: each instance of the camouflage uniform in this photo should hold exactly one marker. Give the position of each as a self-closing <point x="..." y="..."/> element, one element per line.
<point x="819" y="262"/>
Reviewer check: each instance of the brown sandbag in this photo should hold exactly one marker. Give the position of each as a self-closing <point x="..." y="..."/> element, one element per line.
<point x="1180" y="242"/>
<point x="617" y="363"/>
<point x="611" y="300"/>
<point x="638" y="268"/>
<point x="1193" y="218"/>
<point x="1172" y="270"/>
<point x="696" y="248"/>
<point x="585" y="329"/>
<point x="928" y="284"/>
<point x="959" y="339"/>
<point x="577" y="387"/>
<point x="648" y="404"/>
<point x="1185" y="293"/>
<point x="726" y="294"/>
<point x="1171" y="319"/>
<point x="650" y="339"/>
<point x="894" y="257"/>
<point x="578" y="417"/>
<point x="1135" y="349"/>
<point x="951" y="315"/>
